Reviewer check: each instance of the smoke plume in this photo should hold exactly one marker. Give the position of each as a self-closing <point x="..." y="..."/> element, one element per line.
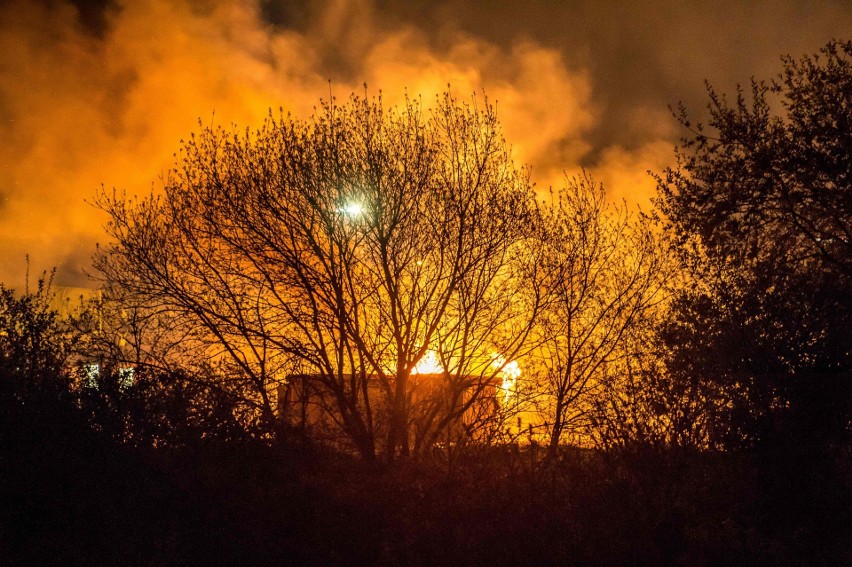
<point x="101" y="92"/>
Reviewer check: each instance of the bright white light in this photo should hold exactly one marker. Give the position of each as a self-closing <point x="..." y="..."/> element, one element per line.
<point x="91" y="374"/>
<point x="126" y="377"/>
<point x="429" y="364"/>
<point x="512" y="370"/>
<point x="510" y="373"/>
<point x="352" y="209"/>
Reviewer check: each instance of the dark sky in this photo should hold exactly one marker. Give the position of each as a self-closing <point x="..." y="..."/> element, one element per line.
<point x="101" y="91"/>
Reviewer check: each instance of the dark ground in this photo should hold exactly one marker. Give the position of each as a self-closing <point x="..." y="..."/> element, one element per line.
<point x="68" y="496"/>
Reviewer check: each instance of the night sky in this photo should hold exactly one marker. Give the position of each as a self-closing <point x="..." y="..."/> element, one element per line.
<point x="101" y="92"/>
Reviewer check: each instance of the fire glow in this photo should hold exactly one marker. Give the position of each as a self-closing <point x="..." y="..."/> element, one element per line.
<point x="509" y="372"/>
<point x="429" y="364"/>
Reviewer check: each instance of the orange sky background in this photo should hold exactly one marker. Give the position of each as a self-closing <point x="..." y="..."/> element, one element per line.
<point x="100" y="92"/>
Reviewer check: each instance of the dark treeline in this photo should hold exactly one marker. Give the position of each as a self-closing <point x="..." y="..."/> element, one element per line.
<point x="364" y="339"/>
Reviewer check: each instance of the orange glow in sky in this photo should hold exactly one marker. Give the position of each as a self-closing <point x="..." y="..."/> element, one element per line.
<point x="85" y="102"/>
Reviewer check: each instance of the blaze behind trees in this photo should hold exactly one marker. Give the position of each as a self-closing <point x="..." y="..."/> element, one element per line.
<point x="347" y="247"/>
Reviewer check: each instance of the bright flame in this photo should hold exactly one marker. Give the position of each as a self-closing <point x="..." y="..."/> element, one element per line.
<point x="429" y="364"/>
<point x="510" y="372"/>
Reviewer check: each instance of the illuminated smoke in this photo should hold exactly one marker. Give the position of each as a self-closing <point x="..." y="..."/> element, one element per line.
<point x="85" y="105"/>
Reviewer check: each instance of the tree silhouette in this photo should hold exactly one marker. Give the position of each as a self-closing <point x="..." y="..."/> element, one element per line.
<point x="35" y="353"/>
<point x="606" y="272"/>
<point x="342" y="249"/>
<point x="761" y="206"/>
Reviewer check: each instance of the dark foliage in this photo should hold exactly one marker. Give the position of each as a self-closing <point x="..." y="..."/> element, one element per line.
<point x="84" y="483"/>
<point x="761" y="206"/>
<point x="34" y="349"/>
<point x="161" y="408"/>
<point x="247" y="503"/>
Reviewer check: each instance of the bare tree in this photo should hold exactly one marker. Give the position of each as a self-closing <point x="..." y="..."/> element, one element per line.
<point x="606" y="270"/>
<point x="346" y="248"/>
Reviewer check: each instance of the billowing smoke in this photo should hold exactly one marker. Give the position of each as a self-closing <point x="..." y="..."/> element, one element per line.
<point x="101" y="92"/>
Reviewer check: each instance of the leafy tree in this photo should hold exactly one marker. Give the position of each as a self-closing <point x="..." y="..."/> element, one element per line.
<point x="161" y="408"/>
<point x="35" y="347"/>
<point x="144" y="381"/>
<point x="640" y="405"/>
<point x="761" y="206"/>
<point x="344" y="248"/>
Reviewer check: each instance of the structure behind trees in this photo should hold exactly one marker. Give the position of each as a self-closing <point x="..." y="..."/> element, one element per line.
<point x="344" y="247"/>
<point x="352" y="247"/>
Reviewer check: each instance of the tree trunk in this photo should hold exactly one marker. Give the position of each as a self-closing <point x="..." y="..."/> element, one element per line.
<point x="556" y="432"/>
<point x="366" y="448"/>
<point x="398" y="426"/>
